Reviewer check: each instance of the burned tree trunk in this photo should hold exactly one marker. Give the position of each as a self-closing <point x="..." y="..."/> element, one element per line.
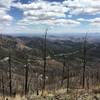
<point x="63" y="71"/>
<point x="37" y="86"/>
<point x="44" y="70"/>
<point x="68" y="77"/>
<point x="2" y="81"/>
<point x="84" y="60"/>
<point x="26" y="78"/>
<point x="10" y="74"/>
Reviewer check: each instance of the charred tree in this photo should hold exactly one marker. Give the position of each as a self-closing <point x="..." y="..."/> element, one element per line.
<point x="10" y="74"/>
<point x="37" y="86"/>
<point x="68" y="77"/>
<point x="63" y="71"/>
<point x="2" y="81"/>
<point x="84" y="60"/>
<point x="26" y="77"/>
<point x="45" y="54"/>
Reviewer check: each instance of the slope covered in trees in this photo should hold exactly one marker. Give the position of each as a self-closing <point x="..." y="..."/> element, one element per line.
<point x="69" y="65"/>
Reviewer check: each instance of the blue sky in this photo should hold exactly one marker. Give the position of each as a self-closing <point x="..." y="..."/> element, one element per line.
<point x="59" y="16"/>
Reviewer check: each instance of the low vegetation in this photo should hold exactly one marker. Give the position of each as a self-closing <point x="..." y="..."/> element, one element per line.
<point x="40" y="69"/>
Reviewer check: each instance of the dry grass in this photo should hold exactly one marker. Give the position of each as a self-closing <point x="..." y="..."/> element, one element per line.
<point x="17" y="97"/>
<point x="61" y="94"/>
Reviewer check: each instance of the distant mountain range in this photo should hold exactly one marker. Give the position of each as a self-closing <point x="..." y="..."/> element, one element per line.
<point x="75" y="37"/>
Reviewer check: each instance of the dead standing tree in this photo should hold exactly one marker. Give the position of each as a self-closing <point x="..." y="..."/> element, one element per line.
<point x="68" y="76"/>
<point x="27" y="68"/>
<point x="26" y="77"/>
<point x="84" y="60"/>
<point x="63" y="71"/>
<point x="10" y="60"/>
<point x="45" y="54"/>
<point x="10" y="73"/>
<point x="3" y="87"/>
<point x="2" y="77"/>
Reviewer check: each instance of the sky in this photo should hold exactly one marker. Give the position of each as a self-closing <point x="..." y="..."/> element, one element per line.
<point x="59" y="16"/>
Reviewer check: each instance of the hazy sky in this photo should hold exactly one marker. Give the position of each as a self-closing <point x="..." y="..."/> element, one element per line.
<point x="60" y="16"/>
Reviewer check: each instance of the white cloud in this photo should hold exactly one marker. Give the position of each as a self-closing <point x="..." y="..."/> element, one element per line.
<point x="92" y="10"/>
<point x="44" y="12"/>
<point x="5" y="4"/>
<point x="49" y="22"/>
<point x="2" y="12"/>
<point x="95" y="22"/>
<point x="5" y="18"/>
<point x="42" y="9"/>
<point x="82" y="3"/>
<point x="42" y="5"/>
<point x="69" y="16"/>
<point x="81" y="19"/>
<point x="66" y="22"/>
<point x="41" y="13"/>
<point x="83" y="6"/>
